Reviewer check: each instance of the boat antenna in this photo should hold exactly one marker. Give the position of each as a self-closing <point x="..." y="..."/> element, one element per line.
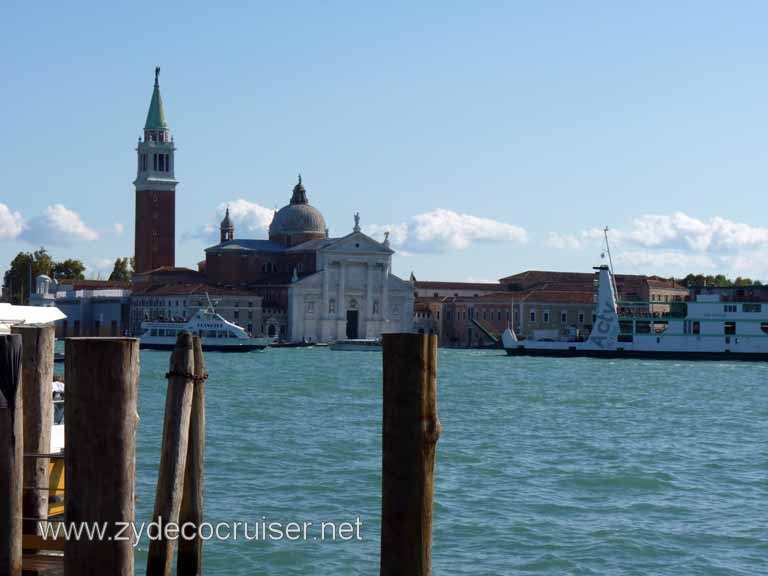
<point x="210" y="304"/>
<point x="610" y="263"/>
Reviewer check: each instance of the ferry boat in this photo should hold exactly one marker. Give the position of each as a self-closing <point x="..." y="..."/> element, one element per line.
<point x="216" y="333"/>
<point x="710" y="327"/>
<point x="357" y="345"/>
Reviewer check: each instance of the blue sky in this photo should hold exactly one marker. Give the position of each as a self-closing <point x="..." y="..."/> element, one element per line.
<point x="489" y="137"/>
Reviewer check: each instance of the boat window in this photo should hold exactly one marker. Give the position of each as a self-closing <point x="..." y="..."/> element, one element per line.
<point x="751" y="308"/>
<point x="153" y="332"/>
<point x="764" y="327"/>
<point x="643" y="327"/>
<point x="730" y="328"/>
<point x="697" y="327"/>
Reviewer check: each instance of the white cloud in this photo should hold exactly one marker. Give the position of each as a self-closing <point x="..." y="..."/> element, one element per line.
<point x="99" y="268"/>
<point x="58" y="225"/>
<point x="442" y="230"/>
<point x="118" y="228"/>
<point x="665" y="260"/>
<point x="679" y="242"/>
<point x="249" y="218"/>
<point x="563" y="241"/>
<point x="11" y="223"/>
<point x="681" y="231"/>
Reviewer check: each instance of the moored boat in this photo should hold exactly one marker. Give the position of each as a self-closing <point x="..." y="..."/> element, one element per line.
<point x="217" y="334"/>
<point x="357" y="345"/>
<point x="710" y="327"/>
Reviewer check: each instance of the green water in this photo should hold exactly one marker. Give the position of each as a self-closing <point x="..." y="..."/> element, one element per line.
<point x="545" y="466"/>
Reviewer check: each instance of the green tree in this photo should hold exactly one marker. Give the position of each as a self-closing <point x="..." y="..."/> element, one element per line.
<point x="121" y="270"/>
<point x="69" y="270"/>
<point x="24" y="268"/>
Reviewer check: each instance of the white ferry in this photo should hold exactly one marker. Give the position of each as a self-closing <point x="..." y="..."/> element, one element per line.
<point x="357" y="345"/>
<point x="711" y="327"/>
<point x="216" y="333"/>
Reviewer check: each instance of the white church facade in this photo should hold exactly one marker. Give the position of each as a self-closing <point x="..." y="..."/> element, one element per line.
<point x="353" y="294"/>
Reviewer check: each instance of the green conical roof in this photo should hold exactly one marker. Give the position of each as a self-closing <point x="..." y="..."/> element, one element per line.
<point x="156" y="115"/>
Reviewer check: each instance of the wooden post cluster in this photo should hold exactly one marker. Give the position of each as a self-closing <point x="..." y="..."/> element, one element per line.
<point x="11" y="455"/>
<point x="181" y="459"/>
<point x="410" y="432"/>
<point x="190" y="559"/>
<point x="100" y="457"/>
<point x="37" y="377"/>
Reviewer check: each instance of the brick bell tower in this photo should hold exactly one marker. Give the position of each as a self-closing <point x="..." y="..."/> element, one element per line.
<point x="155" y="233"/>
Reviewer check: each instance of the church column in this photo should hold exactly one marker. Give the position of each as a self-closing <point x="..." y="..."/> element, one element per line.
<point x="385" y="292"/>
<point x="340" y="303"/>
<point x="324" y="301"/>
<point x="369" y="291"/>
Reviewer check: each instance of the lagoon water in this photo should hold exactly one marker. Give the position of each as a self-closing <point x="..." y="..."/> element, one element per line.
<point x="545" y="466"/>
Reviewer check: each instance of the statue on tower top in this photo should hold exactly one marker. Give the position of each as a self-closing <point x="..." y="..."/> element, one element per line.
<point x="157" y="74"/>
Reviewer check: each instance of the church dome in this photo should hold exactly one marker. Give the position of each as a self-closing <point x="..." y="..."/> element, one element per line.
<point x="298" y="221"/>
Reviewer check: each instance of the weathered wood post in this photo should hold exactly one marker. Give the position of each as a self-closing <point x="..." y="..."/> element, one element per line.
<point x="173" y="457"/>
<point x="410" y="433"/>
<point x="11" y="454"/>
<point x="36" y="377"/>
<point x="190" y="558"/>
<point x="100" y="451"/>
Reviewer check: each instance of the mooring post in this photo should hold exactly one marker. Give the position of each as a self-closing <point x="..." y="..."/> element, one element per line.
<point x="37" y="378"/>
<point x="173" y="457"/>
<point x="190" y="557"/>
<point x="410" y="433"/>
<point x="11" y="454"/>
<point x="100" y="414"/>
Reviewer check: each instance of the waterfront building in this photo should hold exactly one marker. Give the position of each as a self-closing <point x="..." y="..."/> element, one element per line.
<point x="299" y="284"/>
<point x="155" y="221"/>
<point x="93" y="307"/>
<point x="534" y="303"/>
<point x="316" y="287"/>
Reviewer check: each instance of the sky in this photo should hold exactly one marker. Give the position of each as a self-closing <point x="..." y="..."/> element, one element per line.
<point x="488" y="137"/>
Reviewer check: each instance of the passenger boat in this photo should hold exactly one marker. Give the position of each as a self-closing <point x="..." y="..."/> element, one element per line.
<point x="707" y="328"/>
<point x="216" y="333"/>
<point x="358" y="345"/>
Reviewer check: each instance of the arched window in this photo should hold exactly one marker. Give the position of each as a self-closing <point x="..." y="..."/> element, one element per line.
<point x="331" y="306"/>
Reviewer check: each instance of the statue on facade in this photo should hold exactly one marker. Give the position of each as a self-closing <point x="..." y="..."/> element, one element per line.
<point x="357" y="222"/>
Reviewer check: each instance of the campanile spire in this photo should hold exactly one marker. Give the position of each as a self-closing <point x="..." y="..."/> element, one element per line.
<point x="155" y="183"/>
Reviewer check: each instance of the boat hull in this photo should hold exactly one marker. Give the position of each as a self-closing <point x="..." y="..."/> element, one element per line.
<point x="638" y="354"/>
<point x="206" y="347"/>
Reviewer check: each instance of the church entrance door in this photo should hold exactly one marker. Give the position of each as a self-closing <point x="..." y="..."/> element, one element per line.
<point x="352" y="324"/>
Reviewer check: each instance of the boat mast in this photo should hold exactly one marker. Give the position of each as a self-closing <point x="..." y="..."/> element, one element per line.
<point x="610" y="265"/>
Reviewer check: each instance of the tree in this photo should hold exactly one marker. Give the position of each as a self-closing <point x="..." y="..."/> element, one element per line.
<point x="69" y="270"/>
<point x="24" y="268"/>
<point x="121" y="270"/>
<point x="717" y="280"/>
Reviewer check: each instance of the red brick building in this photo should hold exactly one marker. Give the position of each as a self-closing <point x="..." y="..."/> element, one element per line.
<point x="542" y="303"/>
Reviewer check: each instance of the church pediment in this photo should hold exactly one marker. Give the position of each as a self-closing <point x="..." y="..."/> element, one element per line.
<point x="357" y="242"/>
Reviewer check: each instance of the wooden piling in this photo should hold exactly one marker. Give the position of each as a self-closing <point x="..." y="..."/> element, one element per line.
<point x="190" y="557"/>
<point x="37" y="377"/>
<point x="173" y="457"/>
<point x="101" y="417"/>
<point x="11" y="455"/>
<point x="410" y="433"/>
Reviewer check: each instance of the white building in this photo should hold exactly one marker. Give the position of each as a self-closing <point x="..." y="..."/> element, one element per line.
<point x="352" y="295"/>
